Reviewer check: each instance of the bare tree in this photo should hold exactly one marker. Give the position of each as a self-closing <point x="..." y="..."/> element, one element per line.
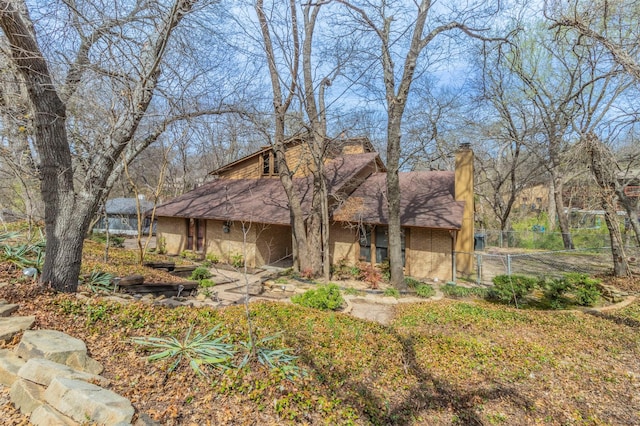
<point x="611" y="23"/>
<point x="422" y="26"/>
<point x="604" y="169"/>
<point x="310" y="229"/>
<point x="118" y="61"/>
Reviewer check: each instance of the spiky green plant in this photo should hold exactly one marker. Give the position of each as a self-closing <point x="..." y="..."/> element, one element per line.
<point x="199" y="349"/>
<point x="276" y="359"/>
<point x="99" y="281"/>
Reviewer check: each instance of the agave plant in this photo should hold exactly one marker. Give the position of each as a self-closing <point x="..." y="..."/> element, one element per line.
<point x="275" y="359"/>
<point x="198" y="349"/>
<point x="21" y="255"/>
<point x="99" y="281"/>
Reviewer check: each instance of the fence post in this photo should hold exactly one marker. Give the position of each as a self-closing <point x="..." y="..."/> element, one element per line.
<point x="479" y="273"/>
<point x="509" y="265"/>
<point x="453" y="267"/>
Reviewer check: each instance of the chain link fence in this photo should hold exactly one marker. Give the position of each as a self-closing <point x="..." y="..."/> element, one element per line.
<point x="551" y="264"/>
<point x="539" y="239"/>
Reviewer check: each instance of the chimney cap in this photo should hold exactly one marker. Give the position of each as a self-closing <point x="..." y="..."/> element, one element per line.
<point x="465" y="145"/>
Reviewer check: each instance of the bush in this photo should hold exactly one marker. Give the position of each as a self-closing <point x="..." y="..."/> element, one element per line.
<point x="412" y="282"/>
<point x="425" y="290"/>
<point x="585" y="289"/>
<point x="200" y="273"/>
<point x="393" y="292"/>
<point x="236" y="260"/>
<point x="512" y="288"/>
<point x="324" y="297"/>
<point x="207" y="283"/>
<point x="212" y="258"/>
<point x="369" y="274"/>
<point x="457" y="291"/>
<point x="554" y="290"/>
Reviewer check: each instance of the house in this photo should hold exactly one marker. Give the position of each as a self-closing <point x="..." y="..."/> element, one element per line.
<point x="245" y="210"/>
<point x="122" y="216"/>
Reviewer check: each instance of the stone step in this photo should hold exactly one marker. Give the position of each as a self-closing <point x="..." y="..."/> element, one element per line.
<point x="44" y="415"/>
<point x="49" y="344"/>
<point x="10" y="364"/>
<point x="11" y="326"/>
<point x="43" y="371"/>
<point x="7" y="309"/>
<point x="26" y="395"/>
<point x="85" y="402"/>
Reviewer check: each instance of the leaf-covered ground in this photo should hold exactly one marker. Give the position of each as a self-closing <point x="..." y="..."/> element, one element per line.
<point x="442" y="362"/>
<point x="445" y="362"/>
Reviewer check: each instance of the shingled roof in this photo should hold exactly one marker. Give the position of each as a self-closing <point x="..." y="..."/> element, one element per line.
<point x="427" y="200"/>
<point x="261" y="200"/>
<point x="126" y="206"/>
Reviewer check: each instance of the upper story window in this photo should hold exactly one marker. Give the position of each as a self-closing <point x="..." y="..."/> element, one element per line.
<point x="266" y="163"/>
<point x="269" y="164"/>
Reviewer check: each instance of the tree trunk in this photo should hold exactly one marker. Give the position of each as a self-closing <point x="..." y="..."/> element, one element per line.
<point x="393" y="200"/>
<point x="551" y="209"/>
<point x="603" y="171"/>
<point x="630" y="206"/>
<point x="563" y="218"/>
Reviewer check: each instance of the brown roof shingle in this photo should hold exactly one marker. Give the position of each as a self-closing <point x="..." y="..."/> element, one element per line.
<point x="258" y="200"/>
<point x="427" y="200"/>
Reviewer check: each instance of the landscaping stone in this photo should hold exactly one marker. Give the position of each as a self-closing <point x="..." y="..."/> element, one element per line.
<point x="49" y="344"/>
<point x="10" y="363"/>
<point x="83" y="362"/>
<point x="11" y="326"/>
<point x="26" y="395"/>
<point x="44" y="415"/>
<point x="7" y="309"/>
<point x="43" y="371"/>
<point x="87" y="402"/>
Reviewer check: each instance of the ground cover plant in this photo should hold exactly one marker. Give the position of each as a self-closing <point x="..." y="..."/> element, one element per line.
<point x="324" y="297"/>
<point x="444" y="362"/>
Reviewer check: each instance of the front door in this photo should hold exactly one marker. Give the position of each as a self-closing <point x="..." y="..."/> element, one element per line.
<point x="195" y="234"/>
<point x="200" y="228"/>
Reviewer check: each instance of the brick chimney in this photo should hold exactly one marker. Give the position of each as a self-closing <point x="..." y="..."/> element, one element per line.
<point x="464" y="192"/>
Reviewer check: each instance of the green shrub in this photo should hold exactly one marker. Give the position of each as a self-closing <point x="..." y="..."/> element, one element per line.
<point x="392" y="292"/>
<point x="212" y="258"/>
<point x="425" y="290"/>
<point x="353" y="291"/>
<point x="512" y="288"/>
<point x="207" y="283"/>
<point x="458" y="291"/>
<point x="412" y="282"/>
<point x="585" y="288"/>
<point x="324" y="297"/>
<point x="554" y="291"/>
<point x="200" y="273"/>
<point x="236" y="260"/>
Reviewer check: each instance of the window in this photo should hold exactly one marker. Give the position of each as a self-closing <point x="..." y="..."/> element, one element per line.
<point x="269" y="164"/>
<point x="266" y="163"/>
